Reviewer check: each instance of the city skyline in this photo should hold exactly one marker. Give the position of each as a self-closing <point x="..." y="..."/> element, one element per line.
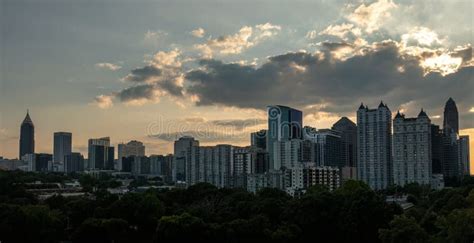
<point x="204" y="132"/>
<point x="119" y="78"/>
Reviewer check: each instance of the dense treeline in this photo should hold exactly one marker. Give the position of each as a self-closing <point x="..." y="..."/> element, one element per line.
<point x="353" y="213"/>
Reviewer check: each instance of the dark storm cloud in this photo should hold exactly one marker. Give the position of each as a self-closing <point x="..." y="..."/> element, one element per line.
<point x="205" y="136"/>
<point x="300" y="79"/>
<point x="334" y="46"/>
<point x="170" y="87"/>
<point x="145" y="91"/>
<point x="143" y="74"/>
<point x="239" y="124"/>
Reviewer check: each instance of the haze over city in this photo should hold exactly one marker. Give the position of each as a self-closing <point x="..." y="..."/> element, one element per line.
<point x="122" y="69"/>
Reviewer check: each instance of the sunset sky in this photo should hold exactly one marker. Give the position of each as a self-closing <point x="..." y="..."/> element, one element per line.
<point x="155" y="70"/>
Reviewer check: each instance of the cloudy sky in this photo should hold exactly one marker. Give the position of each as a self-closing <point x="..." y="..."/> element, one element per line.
<point x="154" y="70"/>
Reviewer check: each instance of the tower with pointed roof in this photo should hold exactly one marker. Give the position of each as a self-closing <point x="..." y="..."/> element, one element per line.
<point x="451" y="117"/>
<point x="27" y="136"/>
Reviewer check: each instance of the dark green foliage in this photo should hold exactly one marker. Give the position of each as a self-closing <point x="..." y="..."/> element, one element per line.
<point x="204" y="213"/>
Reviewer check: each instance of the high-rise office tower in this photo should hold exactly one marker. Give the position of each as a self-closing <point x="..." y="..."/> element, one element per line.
<point x="412" y="157"/>
<point x="464" y="160"/>
<point x="374" y="146"/>
<point x="348" y="130"/>
<point x="451" y="117"/>
<point x="27" y="136"/>
<point x="186" y="160"/>
<point x="62" y="146"/>
<point x="73" y="162"/>
<point x="132" y="148"/>
<point x="101" y="154"/>
<point x="451" y="165"/>
<point x="259" y="139"/>
<point x="284" y="124"/>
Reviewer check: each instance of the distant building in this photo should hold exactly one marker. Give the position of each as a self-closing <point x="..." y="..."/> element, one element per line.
<point x="101" y="154"/>
<point x="348" y="131"/>
<point x="260" y="163"/>
<point x="132" y="148"/>
<point x="451" y="117"/>
<point x="140" y="165"/>
<point x="39" y="162"/>
<point x="161" y="165"/>
<point x="412" y="159"/>
<point x="62" y="146"/>
<point x="27" y="137"/>
<point x="259" y="139"/>
<point x="464" y="159"/>
<point x="127" y="163"/>
<point x="73" y="162"/>
<point x="374" y="146"/>
<point x="284" y="123"/>
<point x="451" y="166"/>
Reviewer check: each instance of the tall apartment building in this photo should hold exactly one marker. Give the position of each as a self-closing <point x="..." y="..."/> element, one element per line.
<point x="412" y="158"/>
<point x="374" y="146"/>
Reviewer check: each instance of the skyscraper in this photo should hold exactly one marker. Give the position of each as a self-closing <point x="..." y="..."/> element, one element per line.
<point x="412" y="158"/>
<point x="101" y="154"/>
<point x="27" y="136"/>
<point x="284" y="123"/>
<point x="374" y="142"/>
<point x="62" y="146"/>
<point x="348" y="130"/>
<point x="451" y="117"/>
<point x="451" y="165"/>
